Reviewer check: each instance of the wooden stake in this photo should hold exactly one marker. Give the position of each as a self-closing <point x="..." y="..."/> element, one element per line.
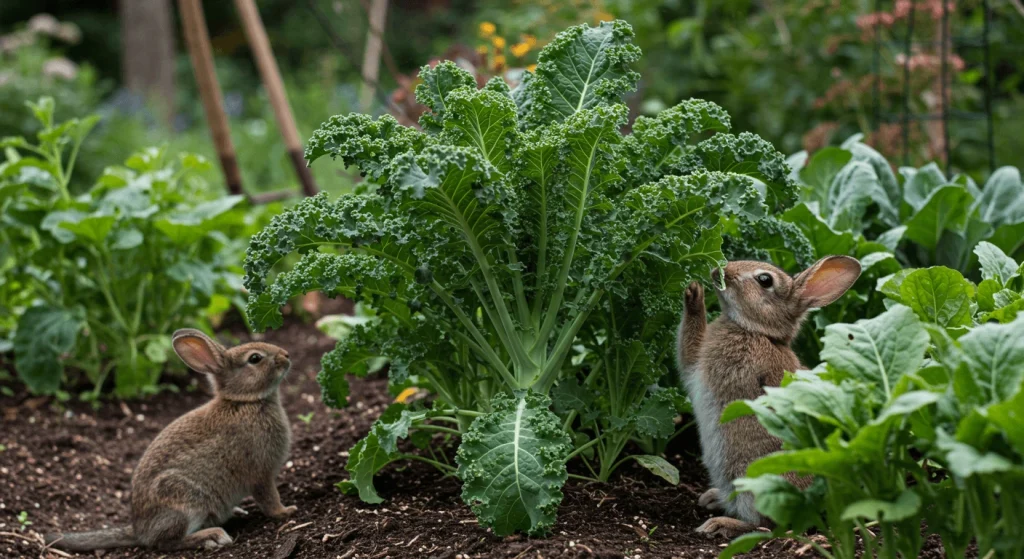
<point x="371" y="56"/>
<point x="198" y="40"/>
<point x="271" y="77"/>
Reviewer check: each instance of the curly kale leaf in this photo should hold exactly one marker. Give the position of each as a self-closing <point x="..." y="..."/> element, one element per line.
<point x="438" y="82"/>
<point x="512" y="464"/>
<point x="355" y="276"/>
<point x="360" y="140"/>
<point x="582" y="68"/>
<point x="482" y="119"/>
<point x="658" y="143"/>
<point x="746" y="154"/>
<point x="379" y="448"/>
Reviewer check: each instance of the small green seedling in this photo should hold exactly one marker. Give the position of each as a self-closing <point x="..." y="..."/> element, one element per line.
<point x="306" y="418"/>
<point x="23" y="520"/>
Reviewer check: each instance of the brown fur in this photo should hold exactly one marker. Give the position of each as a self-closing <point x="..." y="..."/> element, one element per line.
<point x="193" y="475"/>
<point x="735" y="357"/>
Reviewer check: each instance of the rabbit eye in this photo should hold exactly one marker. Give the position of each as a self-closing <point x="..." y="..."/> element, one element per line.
<point x="255" y="358"/>
<point x="765" y="280"/>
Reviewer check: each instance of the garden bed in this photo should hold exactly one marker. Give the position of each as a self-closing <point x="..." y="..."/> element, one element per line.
<point x="71" y="468"/>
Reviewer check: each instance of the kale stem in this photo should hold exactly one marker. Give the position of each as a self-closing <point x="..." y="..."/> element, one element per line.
<point x="443" y="467"/>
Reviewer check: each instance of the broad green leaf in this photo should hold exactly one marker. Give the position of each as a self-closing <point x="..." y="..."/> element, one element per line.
<point x="878" y="350"/>
<point x="200" y="276"/>
<point x="825" y="240"/>
<point x="44" y="335"/>
<point x="1005" y="314"/>
<point x="814" y="461"/>
<point x="921" y="183"/>
<point x="158" y="349"/>
<point x="89" y="228"/>
<point x="822" y="169"/>
<point x="939" y="295"/>
<point x="659" y="467"/>
<point x="744" y="544"/>
<point x="188" y="226"/>
<point x="512" y="465"/>
<point x="945" y="209"/>
<point x="1002" y="200"/>
<point x="778" y="499"/>
<point x="126" y="239"/>
<point x="905" y="506"/>
<point x="995" y="264"/>
<point x="887" y="180"/>
<point x="987" y="290"/>
<point x="965" y="461"/>
<point x="891" y="238"/>
<point x="905" y="404"/>
<point x="891" y="286"/>
<point x="1009" y="416"/>
<point x="994" y="355"/>
<point x="850" y="194"/>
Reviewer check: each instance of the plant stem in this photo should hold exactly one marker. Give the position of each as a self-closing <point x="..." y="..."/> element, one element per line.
<point x="588" y="444"/>
<point x="443" y="467"/>
<point x="438" y="429"/>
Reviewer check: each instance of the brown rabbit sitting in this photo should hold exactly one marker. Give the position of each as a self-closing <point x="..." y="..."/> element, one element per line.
<point x="739" y="354"/>
<point x="193" y="475"/>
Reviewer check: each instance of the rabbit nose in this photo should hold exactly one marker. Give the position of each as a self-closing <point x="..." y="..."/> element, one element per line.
<point x="284" y="353"/>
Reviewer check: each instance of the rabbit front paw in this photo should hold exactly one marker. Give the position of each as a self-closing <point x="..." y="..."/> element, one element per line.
<point x="709" y="499"/>
<point x="695" y="299"/>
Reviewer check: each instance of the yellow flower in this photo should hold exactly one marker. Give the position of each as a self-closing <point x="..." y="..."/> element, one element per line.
<point x="499" y="61"/>
<point x="532" y="68"/>
<point x="530" y="40"/>
<point x="519" y="50"/>
<point x="404" y="396"/>
<point x="603" y="16"/>
<point x="498" y="42"/>
<point x="482" y="49"/>
<point x="487" y="29"/>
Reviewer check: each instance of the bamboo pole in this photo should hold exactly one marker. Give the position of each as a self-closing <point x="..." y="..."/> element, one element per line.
<point x="198" y="40"/>
<point x="271" y="77"/>
<point x="371" y="56"/>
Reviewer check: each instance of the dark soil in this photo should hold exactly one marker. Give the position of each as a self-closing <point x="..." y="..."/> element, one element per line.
<point x="69" y="467"/>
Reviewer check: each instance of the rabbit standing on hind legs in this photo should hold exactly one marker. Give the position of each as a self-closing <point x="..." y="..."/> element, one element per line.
<point x="736" y="356"/>
<point x="193" y="475"/>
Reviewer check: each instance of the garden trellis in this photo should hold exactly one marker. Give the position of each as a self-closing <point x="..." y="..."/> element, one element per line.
<point x="946" y="43"/>
<point x="198" y="40"/>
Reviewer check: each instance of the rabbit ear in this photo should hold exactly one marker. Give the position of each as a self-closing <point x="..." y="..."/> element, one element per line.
<point x="826" y="280"/>
<point x="198" y="351"/>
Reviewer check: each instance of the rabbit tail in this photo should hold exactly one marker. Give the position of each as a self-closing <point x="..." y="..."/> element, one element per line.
<point x="88" y="541"/>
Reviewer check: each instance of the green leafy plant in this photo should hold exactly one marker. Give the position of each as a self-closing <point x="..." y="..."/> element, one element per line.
<point x="23" y="521"/>
<point x="98" y="281"/>
<point x="520" y="249"/>
<point x="923" y="216"/>
<point x="913" y="417"/>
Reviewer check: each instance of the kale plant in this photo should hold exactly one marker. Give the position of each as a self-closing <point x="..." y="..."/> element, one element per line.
<point x="520" y="248"/>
